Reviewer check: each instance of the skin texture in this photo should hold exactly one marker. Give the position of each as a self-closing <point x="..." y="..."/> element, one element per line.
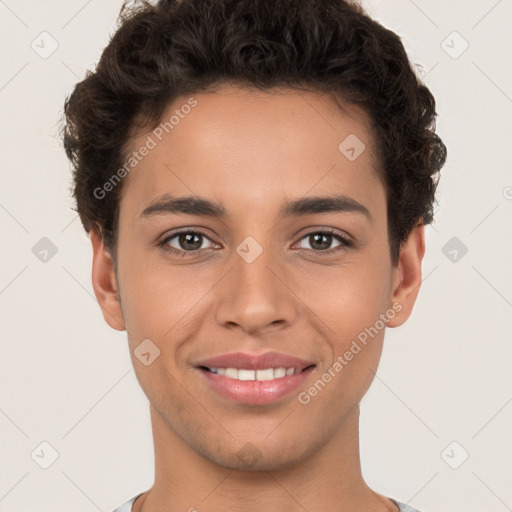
<point x="253" y="151"/>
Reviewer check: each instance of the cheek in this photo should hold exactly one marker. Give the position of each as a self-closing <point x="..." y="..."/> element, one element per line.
<point x="160" y="301"/>
<point x="354" y="312"/>
<point x="349" y="298"/>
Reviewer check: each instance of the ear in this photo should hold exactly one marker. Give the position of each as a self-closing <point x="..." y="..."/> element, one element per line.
<point x="406" y="280"/>
<point x="105" y="285"/>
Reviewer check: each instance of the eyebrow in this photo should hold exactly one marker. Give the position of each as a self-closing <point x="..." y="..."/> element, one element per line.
<point x="194" y="205"/>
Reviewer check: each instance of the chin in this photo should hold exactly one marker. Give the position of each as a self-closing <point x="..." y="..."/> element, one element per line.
<point x="270" y="463"/>
<point x="255" y="457"/>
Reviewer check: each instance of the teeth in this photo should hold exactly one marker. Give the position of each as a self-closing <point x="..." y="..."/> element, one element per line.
<point x="279" y="372"/>
<point x="246" y="375"/>
<point x="232" y="373"/>
<point x="266" y="374"/>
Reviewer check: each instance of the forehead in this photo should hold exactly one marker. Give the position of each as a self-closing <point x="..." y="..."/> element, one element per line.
<point x="246" y="147"/>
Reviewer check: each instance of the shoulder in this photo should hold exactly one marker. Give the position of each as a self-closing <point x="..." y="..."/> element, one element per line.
<point x="127" y="505"/>
<point x="405" y="508"/>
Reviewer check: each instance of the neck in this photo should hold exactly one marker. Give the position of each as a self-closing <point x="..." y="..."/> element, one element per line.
<point x="330" y="479"/>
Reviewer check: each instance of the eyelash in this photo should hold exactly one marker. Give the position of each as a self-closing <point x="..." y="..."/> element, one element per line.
<point x="345" y="242"/>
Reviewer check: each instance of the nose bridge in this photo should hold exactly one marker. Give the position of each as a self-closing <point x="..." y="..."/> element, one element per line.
<point x="253" y="295"/>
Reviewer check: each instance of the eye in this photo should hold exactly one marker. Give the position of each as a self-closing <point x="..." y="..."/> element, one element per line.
<point x="319" y="241"/>
<point x="190" y="242"/>
<point x="185" y="242"/>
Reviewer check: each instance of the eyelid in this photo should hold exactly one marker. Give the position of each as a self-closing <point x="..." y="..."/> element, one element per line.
<point x="346" y="241"/>
<point x="163" y="241"/>
<point x="331" y="231"/>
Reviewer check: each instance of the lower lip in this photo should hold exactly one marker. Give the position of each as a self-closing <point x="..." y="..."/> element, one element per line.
<point x="256" y="392"/>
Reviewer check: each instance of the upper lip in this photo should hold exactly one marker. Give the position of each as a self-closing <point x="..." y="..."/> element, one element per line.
<point x="247" y="361"/>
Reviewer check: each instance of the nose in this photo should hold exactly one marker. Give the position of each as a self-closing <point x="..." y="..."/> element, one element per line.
<point x="256" y="296"/>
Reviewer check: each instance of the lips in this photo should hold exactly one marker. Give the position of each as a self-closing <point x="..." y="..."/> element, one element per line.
<point x="246" y="361"/>
<point x="252" y="378"/>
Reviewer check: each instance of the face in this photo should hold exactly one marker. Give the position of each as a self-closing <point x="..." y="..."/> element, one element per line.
<point x="266" y="273"/>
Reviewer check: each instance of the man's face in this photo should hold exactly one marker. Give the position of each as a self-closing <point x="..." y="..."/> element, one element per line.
<point x="251" y="281"/>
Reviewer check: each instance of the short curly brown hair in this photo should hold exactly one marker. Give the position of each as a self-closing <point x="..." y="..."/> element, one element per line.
<point x="171" y="48"/>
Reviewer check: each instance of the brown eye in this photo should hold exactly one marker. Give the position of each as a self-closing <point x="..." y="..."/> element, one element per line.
<point x="321" y="241"/>
<point x="185" y="242"/>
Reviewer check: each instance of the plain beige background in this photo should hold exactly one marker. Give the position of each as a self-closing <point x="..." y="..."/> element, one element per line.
<point x="443" y="389"/>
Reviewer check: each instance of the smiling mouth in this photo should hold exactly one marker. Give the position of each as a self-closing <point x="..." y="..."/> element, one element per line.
<point x="255" y="375"/>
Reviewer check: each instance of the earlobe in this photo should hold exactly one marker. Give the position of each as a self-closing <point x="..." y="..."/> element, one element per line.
<point x="105" y="285"/>
<point x="407" y="276"/>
